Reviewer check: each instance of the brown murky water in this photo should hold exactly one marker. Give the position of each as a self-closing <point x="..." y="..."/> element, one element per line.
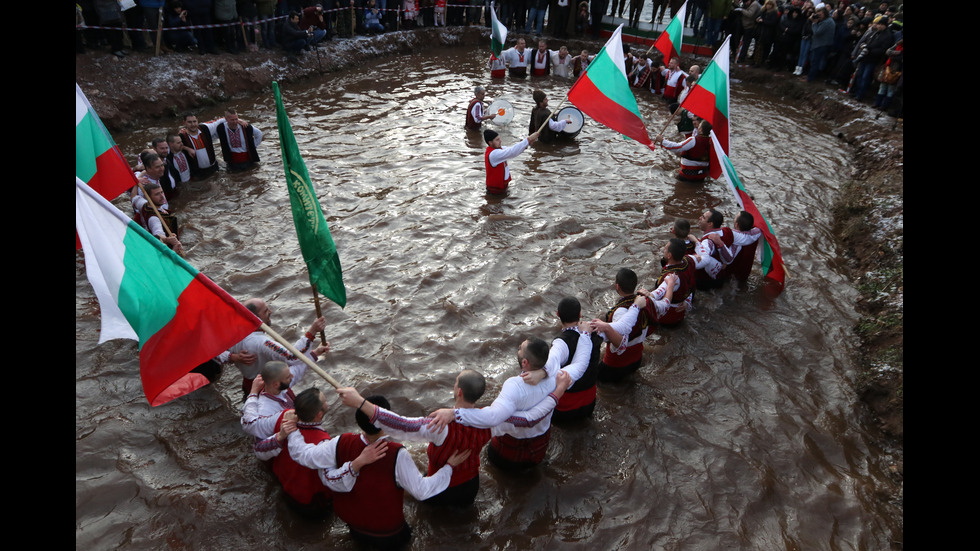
<point x="741" y="431"/>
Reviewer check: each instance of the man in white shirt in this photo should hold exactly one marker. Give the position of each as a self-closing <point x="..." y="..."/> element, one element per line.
<point x="495" y="160"/>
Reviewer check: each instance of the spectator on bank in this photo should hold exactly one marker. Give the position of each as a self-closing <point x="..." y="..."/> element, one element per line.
<point x="582" y="19"/>
<point x="176" y="37"/>
<point x="107" y="13"/>
<point x="845" y="41"/>
<point x="768" y="24"/>
<point x="806" y="38"/>
<point x="749" y="13"/>
<point x="295" y="39"/>
<point x="699" y="19"/>
<point x="372" y="18"/>
<point x="225" y="12"/>
<point x="821" y="42"/>
<point x="718" y="11"/>
<point x="313" y="19"/>
<point x="535" y="18"/>
<point x="266" y="11"/>
<point x="786" y="50"/>
<point x="869" y="53"/>
<point x="890" y="74"/>
<point x="199" y="13"/>
<point x="410" y="12"/>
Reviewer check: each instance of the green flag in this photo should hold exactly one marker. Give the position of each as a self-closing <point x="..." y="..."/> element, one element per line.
<point x="318" y="247"/>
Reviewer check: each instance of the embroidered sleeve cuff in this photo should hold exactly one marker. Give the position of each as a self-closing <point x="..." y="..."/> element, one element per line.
<point x="268" y="444"/>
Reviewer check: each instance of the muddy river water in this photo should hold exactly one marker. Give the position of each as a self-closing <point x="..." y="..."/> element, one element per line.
<point x="741" y="431"/>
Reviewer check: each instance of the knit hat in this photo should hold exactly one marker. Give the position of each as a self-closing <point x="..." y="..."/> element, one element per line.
<point x="489" y="135"/>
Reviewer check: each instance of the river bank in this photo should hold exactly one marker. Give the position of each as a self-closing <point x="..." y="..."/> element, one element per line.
<point x="868" y="211"/>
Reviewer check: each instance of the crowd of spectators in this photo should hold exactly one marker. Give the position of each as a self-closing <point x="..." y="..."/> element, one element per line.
<point x="210" y="26"/>
<point x="855" y="47"/>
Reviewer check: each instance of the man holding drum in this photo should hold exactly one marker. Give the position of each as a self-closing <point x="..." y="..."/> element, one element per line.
<point x="540" y="114"/>
<point x="474" y="113"/>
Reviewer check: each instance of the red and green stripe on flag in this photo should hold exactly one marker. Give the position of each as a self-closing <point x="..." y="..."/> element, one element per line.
<point x="708" y="99"/>
<point x="498" y="33"/>
<point x="98" y="161"/>
<point x="603" y="92"/>
<point x="773" y="270"/>
<point x="147" y="293"/>
<point x="670" y="41"/>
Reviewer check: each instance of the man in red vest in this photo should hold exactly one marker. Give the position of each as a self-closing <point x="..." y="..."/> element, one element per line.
<point x="465" y="482"/>
<point x="624" y="328"/>
<point x="712" y="249"/>
<point x="676" y="280"/>
<point x="745" y="240"/>
<point x="495" y="159"/>
<point x="305" y="493"/>
<point x="474" y="111"/>
<point x="384" y="471"/>
<point x="695" y="153"/>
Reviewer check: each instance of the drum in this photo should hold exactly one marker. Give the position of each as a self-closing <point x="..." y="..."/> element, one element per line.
<point x="503" y="109"/>
<point x="575" y="118"/>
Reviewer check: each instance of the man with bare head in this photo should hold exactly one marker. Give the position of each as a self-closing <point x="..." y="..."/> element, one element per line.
<point x="239" y="141"/>
<point x="251" y="355"/>
<point x="694" y="153"/>
<point x="674" y="79"/>
<point x="518" y="443"/>
<point x="561" y="63"/>
<point x="467" y="390"/>
<point x="178" y="162"/>
<point x="151" y="221"/>
<point x="517" y="59"/>
<point x="199" y="146"/>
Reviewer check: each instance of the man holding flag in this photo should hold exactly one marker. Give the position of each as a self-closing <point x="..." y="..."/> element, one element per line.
<point x="495" y="158"/>
<point x="708" y="100"/>
<point x="603" y="92"/>
<point x="694" y="152"/>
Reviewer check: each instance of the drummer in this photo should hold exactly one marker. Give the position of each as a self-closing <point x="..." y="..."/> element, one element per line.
<point x="474" y="113"/>
<point x="541" y="113"/>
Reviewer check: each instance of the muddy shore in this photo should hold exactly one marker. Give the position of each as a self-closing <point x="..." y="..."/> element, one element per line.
<point x="129" y="92"/>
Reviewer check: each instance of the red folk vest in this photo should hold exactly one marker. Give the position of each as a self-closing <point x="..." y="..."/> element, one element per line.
<point x="374" y="506"/>
<point x="460" y="437"/>
<point x="301" y="483"/>
<point x="701" y="150"/>
<point x="634" y="353"/>
<point x="495" y="174"/>
<point x="472" y="123"/>
<point x="685" y="275"/>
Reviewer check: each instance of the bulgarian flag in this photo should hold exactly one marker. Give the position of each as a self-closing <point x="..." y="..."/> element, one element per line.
<point x="98" y="161"/>
<point x="149" y="294"/>
<point x="773" y="270"/>
<point x="708" y="99"/>
<point x="319" y="250"/>
<point x="669" y="42"/>
<point x="603" y="93"/>
<point x="498" y="33"/>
